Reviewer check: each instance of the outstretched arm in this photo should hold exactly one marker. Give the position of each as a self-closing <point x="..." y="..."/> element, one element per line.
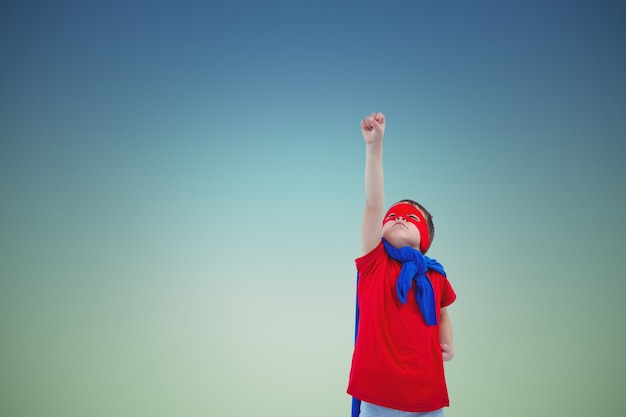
<point x="373" y="129"/>
<point x="445" y="335"/>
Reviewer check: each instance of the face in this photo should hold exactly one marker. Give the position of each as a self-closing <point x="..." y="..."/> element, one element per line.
<point x="405" y="225"/>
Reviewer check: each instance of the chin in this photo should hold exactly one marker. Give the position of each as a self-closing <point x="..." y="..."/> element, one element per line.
<point x="399" y="242"/>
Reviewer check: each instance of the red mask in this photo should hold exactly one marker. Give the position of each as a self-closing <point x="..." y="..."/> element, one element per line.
<point x="411" y="214"/>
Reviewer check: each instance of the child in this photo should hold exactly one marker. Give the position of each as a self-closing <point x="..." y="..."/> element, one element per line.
<point x="403" y="331"/>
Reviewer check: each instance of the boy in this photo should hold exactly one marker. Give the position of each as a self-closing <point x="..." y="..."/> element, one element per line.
<point x="403" y="332"/>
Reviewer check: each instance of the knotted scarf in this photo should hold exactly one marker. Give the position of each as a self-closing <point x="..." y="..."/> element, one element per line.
<point x="414" y="267"/>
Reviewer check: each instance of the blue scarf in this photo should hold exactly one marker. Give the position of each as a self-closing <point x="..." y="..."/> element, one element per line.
<point x="414" y="267"/>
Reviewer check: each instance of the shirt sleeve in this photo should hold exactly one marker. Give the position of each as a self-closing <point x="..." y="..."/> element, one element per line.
<point x="447" y="292"/>
<point x="370" y="258"/>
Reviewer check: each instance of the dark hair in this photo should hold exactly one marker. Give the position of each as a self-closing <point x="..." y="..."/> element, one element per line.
<point x="427" y="215"/>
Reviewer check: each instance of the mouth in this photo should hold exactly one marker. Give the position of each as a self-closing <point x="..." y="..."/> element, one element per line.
<point x="399" y="224"/>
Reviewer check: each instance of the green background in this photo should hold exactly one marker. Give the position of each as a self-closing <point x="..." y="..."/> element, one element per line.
<point x="182" y="185"/>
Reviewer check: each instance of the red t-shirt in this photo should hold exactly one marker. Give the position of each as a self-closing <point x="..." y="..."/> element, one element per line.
<point x="397" y="361"/>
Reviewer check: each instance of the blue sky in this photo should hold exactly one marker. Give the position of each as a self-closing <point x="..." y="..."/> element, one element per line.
<point x="183" y="182"/>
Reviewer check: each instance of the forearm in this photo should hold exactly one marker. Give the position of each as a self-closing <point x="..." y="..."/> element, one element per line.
<point x="445" y="329"/>
<point x="374" y="180"/>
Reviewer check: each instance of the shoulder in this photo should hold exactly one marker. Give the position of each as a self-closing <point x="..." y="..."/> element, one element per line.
<point x="438" y="277"/>
<point x="442" y="286"/>
<point x="372" y="255"/>
<point x="374" y="262"/>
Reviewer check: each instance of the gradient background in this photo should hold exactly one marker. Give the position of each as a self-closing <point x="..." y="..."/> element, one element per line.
<point x="182" y="186"/>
